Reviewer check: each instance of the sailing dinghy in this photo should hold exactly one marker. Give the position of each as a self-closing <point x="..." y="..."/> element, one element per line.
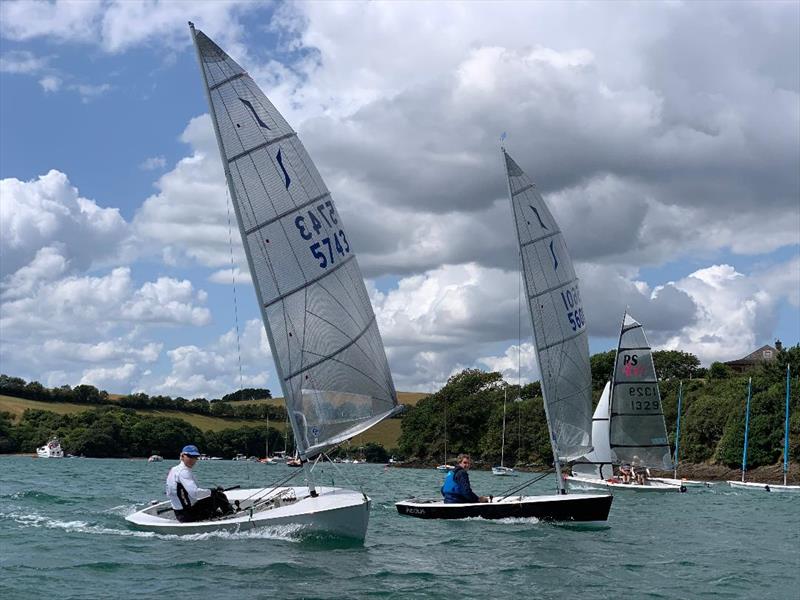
<point x="321" y="327"/>
<point x="562" y="352"/>
<point x="767" y="487"/>
<point x="628" y="423"/>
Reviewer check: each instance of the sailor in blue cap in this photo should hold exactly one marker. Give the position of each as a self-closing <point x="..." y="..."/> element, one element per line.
<point x="189" y="501"/>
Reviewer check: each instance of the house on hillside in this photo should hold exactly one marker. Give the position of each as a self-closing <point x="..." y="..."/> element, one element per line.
<point x="764" y="354"/>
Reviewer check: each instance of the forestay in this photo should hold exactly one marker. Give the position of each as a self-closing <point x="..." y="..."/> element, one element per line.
<point x="559" y="325"/>
<point x="638" y="434"/>
<point x="319" y="320"/>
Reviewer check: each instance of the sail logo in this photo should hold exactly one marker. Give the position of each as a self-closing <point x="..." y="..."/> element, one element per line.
<point x="631" y="366"/>
<point x="287" y="179"/>
<point x="536" y="212"/>
<point x="255" y="114"/>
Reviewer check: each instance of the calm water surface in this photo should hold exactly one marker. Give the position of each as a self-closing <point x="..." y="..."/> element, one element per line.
<point x="63" y="534"/>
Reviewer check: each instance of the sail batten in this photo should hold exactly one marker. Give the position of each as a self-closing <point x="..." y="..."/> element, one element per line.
<point x="556" y="309"/>
<point x="637" y="431"/>
<point x="322" y="330"/>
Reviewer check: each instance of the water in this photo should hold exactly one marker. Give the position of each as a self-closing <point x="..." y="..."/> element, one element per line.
<point x="63" y="534"/>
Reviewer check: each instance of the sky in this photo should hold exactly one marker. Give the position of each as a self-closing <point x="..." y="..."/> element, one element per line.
<point x="665" y="138"/>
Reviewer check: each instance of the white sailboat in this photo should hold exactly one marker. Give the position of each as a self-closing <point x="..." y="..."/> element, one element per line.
<point x="767" y="487"/>
<point x="562" y="351"/>
<point x="628" y="423"/>
<point x="445" y="466"/>
<point x="501" y="470"/>
<point x="321" y="327"/>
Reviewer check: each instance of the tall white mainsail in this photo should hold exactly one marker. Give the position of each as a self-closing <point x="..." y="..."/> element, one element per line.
<point x="322" y="330"/>
<point x="559" y="325"/>
<point x="637" y="433"/>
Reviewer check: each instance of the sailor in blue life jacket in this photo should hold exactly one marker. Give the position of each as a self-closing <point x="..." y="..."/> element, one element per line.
<point x="456" y="488"/>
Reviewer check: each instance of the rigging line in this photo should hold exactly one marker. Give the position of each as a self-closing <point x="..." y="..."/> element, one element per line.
<point x="519" y="488"/>
<point x="233" y="282"/>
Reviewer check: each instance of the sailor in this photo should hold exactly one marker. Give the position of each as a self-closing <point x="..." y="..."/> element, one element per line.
<point x="456" y="488"/>
<point x="189" y="501"/>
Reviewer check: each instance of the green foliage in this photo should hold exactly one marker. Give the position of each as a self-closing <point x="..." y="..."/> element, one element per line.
<point x="247" y="394"/>
<point x="673" y="364"/>
<point x="712" y="423"/>
<point x="719" y="370"/>
<point x="602" y="365"/>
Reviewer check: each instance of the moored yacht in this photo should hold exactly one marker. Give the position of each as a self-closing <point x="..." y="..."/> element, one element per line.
<point x="51" y="449"/>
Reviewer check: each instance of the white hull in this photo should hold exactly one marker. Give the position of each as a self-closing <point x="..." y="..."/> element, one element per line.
<point x="50" y="450"/>
<point x="693" y="483"/>
<point x="764" y="487"/>
<point x="504" y="472"/>
<point x="335" y="511"/>
<point x="445" y="468"/>
<point x="651" y="486"/>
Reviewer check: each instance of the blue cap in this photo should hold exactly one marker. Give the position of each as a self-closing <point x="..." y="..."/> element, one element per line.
<point x="191" y="450"/>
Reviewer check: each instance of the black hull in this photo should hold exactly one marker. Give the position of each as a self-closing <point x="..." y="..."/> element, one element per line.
<point x="573" y="508"/>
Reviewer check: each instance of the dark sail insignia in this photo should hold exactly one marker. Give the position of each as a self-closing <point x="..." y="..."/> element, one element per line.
<point x="536" y="212"/>
<point x="286" y="177"/>
<point x="553" y="252"/>
<point x="255" y="114"/>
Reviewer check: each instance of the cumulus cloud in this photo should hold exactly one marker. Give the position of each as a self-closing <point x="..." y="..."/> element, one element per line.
<point x="22" y="61"/>
<point x="50" y="211"/>
<point x="188" y="217"/>
<point x="119" y="25"/>
<point x="213" y="371"/>
<point x="153" y="163"/>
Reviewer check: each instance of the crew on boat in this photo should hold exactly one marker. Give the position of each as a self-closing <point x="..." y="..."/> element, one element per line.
<point x="625" y="472"/>
<point x="189" y="501"/>
<point x="456" y="488"/>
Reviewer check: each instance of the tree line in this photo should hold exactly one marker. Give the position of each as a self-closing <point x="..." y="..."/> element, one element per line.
<point x="229" y="406"/>
<point x="712" y="423"/>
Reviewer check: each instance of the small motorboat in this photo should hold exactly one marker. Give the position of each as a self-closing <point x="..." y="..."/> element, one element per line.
<point x="155" y="458"/>
<point x="502" y="471"/>
<point x="51" y="449"/>
<point x="578" y="508"/>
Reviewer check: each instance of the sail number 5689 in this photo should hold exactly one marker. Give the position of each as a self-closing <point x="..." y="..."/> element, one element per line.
<point x="572" y="299"/>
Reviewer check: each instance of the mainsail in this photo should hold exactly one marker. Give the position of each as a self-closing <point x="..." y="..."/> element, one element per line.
<point x="322" y="330"/>
<point x="559" y="325"/>
<point x="638" y="434"/>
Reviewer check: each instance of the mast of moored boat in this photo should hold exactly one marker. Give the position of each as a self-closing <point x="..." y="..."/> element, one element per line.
<point x="678" y="430"/>
<point x="746" y="427"/>
<point x="503" y="443"/>
<point x="786" y="428"/>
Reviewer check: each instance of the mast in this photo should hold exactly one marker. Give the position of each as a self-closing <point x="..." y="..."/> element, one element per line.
<point x="503" y="443"/>
<point x="678" y="430"/>
<point x="786" y="427"/>
<point x="445" y="432"/>
<point x="746" y="427"/>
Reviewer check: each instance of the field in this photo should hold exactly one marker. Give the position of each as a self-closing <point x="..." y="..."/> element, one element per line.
<point x="16" y="406"/>
<point x="386" y="432"/>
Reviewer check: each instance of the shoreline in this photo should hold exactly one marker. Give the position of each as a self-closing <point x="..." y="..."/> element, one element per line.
<point x="772" y="474"/>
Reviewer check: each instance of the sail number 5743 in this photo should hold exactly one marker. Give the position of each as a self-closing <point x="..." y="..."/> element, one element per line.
<point x="334" y="243"/>
<point x="572" y="302"/>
